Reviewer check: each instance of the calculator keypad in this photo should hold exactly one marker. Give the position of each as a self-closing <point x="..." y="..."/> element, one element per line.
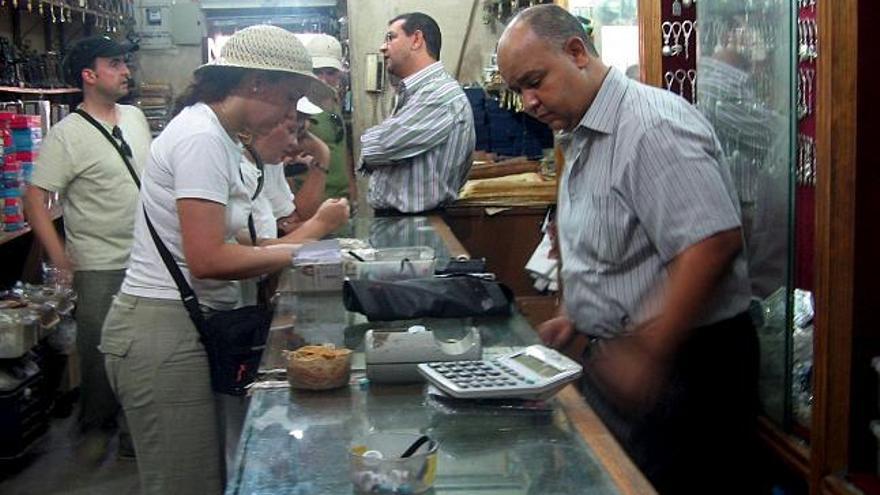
<point x="480" y="374"/>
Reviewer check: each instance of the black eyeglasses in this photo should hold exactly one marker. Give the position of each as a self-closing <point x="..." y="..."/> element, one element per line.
<point x="338" y="126"/>
<point x="117" y="133"/>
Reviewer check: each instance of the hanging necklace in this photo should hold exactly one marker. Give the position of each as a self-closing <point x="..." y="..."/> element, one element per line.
<point x="244" y="137"/>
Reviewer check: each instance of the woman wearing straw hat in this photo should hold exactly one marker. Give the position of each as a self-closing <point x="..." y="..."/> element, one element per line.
<point x="195" y="199"/>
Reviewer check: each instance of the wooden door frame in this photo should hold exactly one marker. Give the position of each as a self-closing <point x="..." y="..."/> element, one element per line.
<point x="650" y="42"/>
<point x="835" y="242"/>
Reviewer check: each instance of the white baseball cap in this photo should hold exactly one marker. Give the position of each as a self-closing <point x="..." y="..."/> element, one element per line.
<point x="304" y="105"/>
<point x="325" y="51"/>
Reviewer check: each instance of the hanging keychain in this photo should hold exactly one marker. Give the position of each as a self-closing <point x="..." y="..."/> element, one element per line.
<point x="687" y="28"/>
<point x="666" y="28"/>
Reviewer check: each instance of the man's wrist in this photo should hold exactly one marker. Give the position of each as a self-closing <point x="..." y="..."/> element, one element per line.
<point x="317" y="166"/>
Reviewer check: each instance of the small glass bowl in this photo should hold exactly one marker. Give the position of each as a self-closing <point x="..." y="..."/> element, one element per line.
<point x="376" y="465"/>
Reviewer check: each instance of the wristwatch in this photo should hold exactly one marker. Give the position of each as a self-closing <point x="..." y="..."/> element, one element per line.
<point x="318" y="166"/>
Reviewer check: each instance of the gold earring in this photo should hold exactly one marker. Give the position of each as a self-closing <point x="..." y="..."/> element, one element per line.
<point x="246" y="138"/>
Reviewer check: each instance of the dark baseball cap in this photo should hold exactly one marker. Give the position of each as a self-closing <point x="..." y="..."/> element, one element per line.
<point x="84" y="52"/>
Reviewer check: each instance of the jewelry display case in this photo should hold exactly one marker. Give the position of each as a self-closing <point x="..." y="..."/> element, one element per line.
<point x="745" y="67"/>
<point x="809" y="84"/>
<point x="808" y="182"/>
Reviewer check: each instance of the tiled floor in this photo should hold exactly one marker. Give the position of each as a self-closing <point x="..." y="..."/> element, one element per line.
<point x="52" y="466"/>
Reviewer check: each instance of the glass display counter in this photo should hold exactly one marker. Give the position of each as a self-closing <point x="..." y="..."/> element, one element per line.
<point x="297" y="441"/>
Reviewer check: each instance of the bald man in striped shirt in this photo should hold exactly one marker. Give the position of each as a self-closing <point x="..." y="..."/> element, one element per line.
<point x="653" y="268"/>
<point x="418" y="158"/>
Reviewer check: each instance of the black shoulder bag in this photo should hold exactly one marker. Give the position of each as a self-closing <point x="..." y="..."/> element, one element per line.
<point x="234" y="340"/>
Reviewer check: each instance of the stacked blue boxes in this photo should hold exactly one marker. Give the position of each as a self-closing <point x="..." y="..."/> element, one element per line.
<point x="505" y="132"/>
<point x="477" y="98"/>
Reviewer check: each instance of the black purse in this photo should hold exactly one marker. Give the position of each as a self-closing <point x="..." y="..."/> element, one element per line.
<point x="234" y="340"/>
<point x="437" y="297"/>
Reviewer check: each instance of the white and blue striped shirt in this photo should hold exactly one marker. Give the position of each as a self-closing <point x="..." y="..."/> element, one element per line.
<point x="644" y="180"/>
<point x="419" y="158"/>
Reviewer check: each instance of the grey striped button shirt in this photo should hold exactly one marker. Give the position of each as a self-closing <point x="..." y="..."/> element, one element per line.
<point x="644" y="180"/>
<point x="419" y="158"/>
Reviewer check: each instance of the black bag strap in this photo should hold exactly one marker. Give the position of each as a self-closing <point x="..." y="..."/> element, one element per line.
<point x="258" y="161"/>
<point x="187" y="295"/>
<point x="103" y="130"/>
<point x="262" y="296"/>
<point x="252" y="230"/>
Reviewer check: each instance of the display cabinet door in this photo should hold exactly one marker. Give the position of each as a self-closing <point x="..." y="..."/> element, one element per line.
<point x="745" y="87"/>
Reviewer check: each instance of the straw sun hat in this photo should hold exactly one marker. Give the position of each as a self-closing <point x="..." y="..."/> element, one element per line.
<point x="266" y="47"/>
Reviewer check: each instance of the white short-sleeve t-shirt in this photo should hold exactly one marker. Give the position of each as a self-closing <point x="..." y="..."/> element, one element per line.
<point x="264" y="220"/>
<point x="98" y="194"/>
<point x="277" y="191"/>
<point x="194" y="157"/>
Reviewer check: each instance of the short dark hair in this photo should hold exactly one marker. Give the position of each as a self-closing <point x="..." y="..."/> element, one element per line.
<point x="417" y="21"/>
<point x="75" y="78"/>
<point x="556" y="25"/>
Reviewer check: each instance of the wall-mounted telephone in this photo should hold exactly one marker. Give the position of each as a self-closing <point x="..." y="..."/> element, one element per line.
<point x="375" y="70"/>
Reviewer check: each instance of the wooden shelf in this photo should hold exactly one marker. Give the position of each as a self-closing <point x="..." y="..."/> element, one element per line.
<point x="9" y="236"/>
<point x="39" y="91"/>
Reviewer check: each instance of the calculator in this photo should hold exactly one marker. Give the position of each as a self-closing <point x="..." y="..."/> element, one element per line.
<point x="535" y="372"/>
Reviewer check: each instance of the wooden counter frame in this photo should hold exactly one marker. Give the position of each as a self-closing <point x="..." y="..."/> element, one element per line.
<point x="836" y="142"/>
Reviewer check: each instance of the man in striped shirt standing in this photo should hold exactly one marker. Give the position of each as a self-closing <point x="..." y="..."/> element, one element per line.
<point x="653" y="268"/>
<point x="418" y="158"/>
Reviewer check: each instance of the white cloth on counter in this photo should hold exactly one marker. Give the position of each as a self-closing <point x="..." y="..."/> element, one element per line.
<point x="542" y="268"/>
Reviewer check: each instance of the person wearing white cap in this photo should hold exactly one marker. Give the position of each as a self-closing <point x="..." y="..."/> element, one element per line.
<point x="313" y="155"/>
<point x="329" y="126"/>
<point x="269" y="150"/>
<point x="196" y="202"/>
<point x="275" y="200"/>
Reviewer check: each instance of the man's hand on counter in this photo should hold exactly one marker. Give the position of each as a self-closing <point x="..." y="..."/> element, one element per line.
<point x="556" y="332"/>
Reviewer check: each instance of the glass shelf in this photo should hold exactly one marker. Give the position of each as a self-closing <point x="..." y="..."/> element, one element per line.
<point x="9" y="236"/>
<point x="39" y="91"/>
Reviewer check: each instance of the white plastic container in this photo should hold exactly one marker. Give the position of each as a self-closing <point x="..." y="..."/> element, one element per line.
<point x="390" y="264"/>
<point x="19" y="330"/>
<point x="316" y="277"/>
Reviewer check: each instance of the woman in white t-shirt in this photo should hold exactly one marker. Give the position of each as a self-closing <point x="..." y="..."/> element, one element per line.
<point x="195" y="199"/>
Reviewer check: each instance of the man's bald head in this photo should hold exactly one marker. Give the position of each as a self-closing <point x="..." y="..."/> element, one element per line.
<point x="553" y="24"/>
<point x="546" y="56"/>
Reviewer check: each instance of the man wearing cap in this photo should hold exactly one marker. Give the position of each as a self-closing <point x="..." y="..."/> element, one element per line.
<point x="418" y="158"/>
<point x="309" y="153"/>
<point x="99" y="198"/>
<point x="328" y="126"/>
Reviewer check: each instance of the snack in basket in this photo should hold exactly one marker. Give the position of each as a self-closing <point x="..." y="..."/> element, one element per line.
<point x="318" y="367"/>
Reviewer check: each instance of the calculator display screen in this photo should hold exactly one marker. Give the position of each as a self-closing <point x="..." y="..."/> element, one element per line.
<point x="540" y="367"/>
